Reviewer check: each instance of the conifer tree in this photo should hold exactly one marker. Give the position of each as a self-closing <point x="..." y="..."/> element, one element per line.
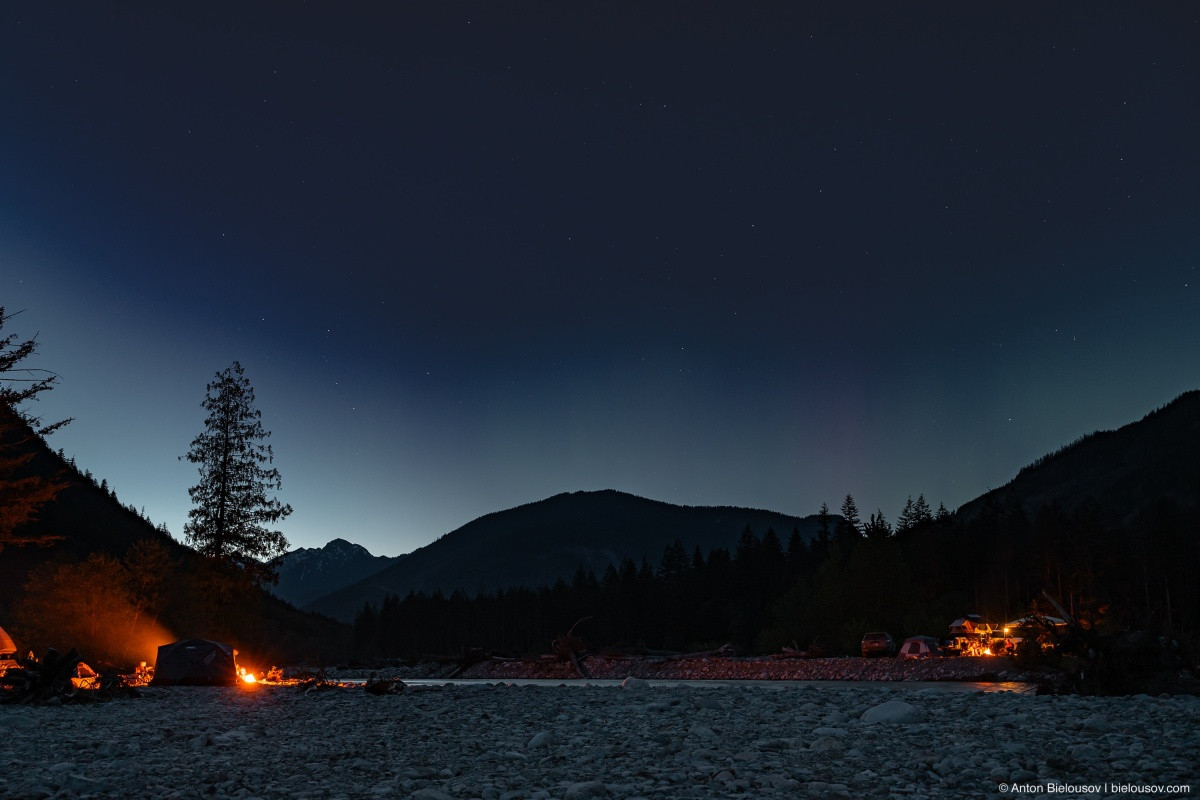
<point x="22" y="493"/>
<point x="674" y="560"/>
<point x="233" y="505"/>
<point x="850" y="524"/>
<point x="823" y="517"/>
<point x="922" y="515"/>
<point x="877" y="527"/>
<point x="908" y="517"/>
<point x="819" y="547"/>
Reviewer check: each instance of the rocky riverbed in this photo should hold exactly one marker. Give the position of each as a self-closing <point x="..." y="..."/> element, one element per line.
<point x="986" y="668"/>
<point x="504" y="742"/>
<point x="991" y="668"/>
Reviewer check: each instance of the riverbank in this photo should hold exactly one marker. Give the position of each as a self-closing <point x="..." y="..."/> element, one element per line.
<point x="505" y="742"/>
<point x="977" y="669"/>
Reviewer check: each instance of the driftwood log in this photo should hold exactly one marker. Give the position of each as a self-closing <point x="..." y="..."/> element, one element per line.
<point x="569" y="647"/>
<point x="384" y="686"/>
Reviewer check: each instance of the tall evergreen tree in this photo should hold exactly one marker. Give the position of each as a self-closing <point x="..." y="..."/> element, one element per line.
<point x="22" y="493"/>
<point x="922" y="514"/>
<point x="823" y="517"/>
<point x="850" y="523"/>
<point x="747" y="546"/>
<point x="674" y="560"/>
<point x="908" y="516"/>
<point x="819" y="547"/>
<point x="233" y="505"/>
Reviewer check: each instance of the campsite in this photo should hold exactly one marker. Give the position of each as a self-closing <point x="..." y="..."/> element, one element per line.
<point x="972" y="651"/>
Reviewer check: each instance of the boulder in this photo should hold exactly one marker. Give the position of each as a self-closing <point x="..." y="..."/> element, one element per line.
<point x="895" y="712"/>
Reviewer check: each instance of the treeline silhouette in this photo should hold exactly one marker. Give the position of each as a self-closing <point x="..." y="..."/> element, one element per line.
<point x="911" y="578"/>
<point x="102" y="485"/>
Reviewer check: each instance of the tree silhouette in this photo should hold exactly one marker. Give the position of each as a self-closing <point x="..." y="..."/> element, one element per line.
<point x="22" y="492"/>
<point x="877" y="527"/>
<point x="922" y="515"/>
<point x="849" y="527"/>
<point x="233" y="506"/>
<point x="905" y="520"/>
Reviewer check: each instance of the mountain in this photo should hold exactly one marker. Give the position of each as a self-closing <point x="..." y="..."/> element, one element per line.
<point x="1123" y="471"/>
<point x="310" y="572"/>
<point x="538" y="543"/>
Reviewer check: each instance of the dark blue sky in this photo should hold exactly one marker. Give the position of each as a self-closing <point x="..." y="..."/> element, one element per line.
<point x="472" y="255"/>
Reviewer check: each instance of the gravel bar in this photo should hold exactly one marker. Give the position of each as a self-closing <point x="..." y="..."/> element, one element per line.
<point x="636" y="740"/>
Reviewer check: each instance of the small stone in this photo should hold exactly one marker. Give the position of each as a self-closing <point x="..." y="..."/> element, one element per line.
<point x="825" y="730"/>
<point x="430" y="794"/>
<point x="825" y="743"/>
<point x="894" y="712"/>
<point x="544" y="739"/>
<point x="586" y="789"/>
<point x="821" y="789"/>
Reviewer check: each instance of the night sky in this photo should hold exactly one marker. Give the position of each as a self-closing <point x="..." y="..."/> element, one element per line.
<point x="474" y="255"/>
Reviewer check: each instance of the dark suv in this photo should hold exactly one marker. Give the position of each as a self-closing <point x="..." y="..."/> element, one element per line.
<point x="878" y="643"/>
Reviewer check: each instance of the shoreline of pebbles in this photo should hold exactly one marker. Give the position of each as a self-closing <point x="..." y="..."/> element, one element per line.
<point x="636" y="741"/>
<point x="983" y="669"/>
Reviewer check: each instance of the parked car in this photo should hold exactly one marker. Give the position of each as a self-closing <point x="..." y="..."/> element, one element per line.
<point x="878" y="643"/>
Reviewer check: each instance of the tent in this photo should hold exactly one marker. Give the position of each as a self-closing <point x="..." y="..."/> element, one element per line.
<point x="919" y="647"/>
<point x="8" y="649"/>
<point x="195" y="662"/>
<point x="7" y="645"/>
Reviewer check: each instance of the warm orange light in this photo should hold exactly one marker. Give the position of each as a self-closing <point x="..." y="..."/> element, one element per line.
<point x="247" y="677"/>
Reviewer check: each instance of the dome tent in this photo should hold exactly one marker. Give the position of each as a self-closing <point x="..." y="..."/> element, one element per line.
<point x="919" y="647"/>
<point x="195" y="662"/>
<point x="7" y="645"/>
<point x="8" y="652"/>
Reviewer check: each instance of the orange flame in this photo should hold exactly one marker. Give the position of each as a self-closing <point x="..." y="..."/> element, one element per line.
<point x="247" y="677"/>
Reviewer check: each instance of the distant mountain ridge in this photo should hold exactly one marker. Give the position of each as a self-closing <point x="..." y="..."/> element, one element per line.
<point x="1123" y="470"/>
<point x="310" y="572"/>
<point x="538" y="543"/>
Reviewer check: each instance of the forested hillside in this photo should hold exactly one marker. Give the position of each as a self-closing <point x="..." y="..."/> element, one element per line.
<point x="1108" y="525"/>
<point x="109" y="583"/>
<point x="1140" y="573"/>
